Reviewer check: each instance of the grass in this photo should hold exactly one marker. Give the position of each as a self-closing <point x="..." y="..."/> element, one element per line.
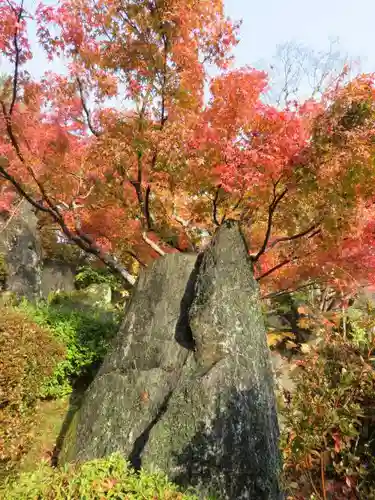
<point x="50" y="416"/>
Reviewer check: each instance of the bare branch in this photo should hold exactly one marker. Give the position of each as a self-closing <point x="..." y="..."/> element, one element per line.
<point x="152" y="244"/>
<point x="297" y="69"/>
<point x="295" y="236"/>
<point x="86" y="109"/>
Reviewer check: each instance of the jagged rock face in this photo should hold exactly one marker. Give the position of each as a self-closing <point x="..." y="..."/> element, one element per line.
<point x="220" y="429"/>
<point x="188" y="387"/>
<point x="143" y="368"/>
<point x="21" y="250"/>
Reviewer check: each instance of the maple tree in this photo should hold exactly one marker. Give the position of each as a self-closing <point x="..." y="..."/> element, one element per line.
<point x="127" y="157"/>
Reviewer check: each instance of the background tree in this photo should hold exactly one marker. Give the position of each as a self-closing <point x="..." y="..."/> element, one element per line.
<point x="298" y="73"/>
<point x="52" y="141"/>
<point x="126" y="157"/>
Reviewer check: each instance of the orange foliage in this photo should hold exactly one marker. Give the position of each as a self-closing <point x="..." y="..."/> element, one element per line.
<point x="169" y="167"/>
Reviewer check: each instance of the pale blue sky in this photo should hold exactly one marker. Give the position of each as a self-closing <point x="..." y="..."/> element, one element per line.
<point x="269" y="23"/>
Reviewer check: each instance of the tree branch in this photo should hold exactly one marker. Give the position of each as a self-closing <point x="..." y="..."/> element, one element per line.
<point x="145" y="212"/>
<point x="295" y="236"/>
<point x="17" y="60"/>
<point x="21" y="190"/>
<point x="86" y="109"/>
<point x="83" y="241"/>
<point x="289" y="290"/>
<point x="144" y="200"/>
<point x="152" y="244"/>
<point x="286" y="261"/>
<point x="236" y="205"/>
<point x="271" y="210"/>
<point x="9" y="129"/>
<point x="147" y="206"/>
<point x="275" y="268"/>
<point x="137" y="184"/>
<point x="215" y="206"/>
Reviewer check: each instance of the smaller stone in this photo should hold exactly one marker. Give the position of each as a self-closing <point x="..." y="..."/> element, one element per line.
<point x="57" y="276"/>
<point x="98" y="294"/>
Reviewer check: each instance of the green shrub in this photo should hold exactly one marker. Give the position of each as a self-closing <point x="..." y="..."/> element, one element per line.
<point x="28" y="354"/>
<point x="361" y="325"/>
<point x="327" y="440"/>
<point x="88" y="275"/>
<point x="105" y="478"/>
<point x="85" y="333"/>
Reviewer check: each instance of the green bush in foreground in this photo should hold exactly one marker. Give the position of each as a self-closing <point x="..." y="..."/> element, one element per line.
<point x="105" y="478"/>
<point x="28" y="354"/>
<point x="85" y="334"/>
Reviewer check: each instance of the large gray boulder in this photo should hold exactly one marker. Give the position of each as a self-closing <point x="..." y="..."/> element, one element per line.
<point x="143" y="368"/>
<point x="21" y="253"/>
<point x="220" y="430"/>
<point x="188" y="387"/>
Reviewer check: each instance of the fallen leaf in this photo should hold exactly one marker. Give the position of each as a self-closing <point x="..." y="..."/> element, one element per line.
<point x="291" y="345"/>
<point x="305" y="348"/>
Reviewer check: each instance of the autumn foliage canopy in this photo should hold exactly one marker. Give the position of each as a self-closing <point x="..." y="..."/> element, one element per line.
<point x="134" y="150"/>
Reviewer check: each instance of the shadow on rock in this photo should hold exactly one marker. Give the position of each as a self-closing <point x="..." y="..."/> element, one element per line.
<point x="75" y="401"/>
<point x="229" y="458"/>
<point x="184" y="335"/>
